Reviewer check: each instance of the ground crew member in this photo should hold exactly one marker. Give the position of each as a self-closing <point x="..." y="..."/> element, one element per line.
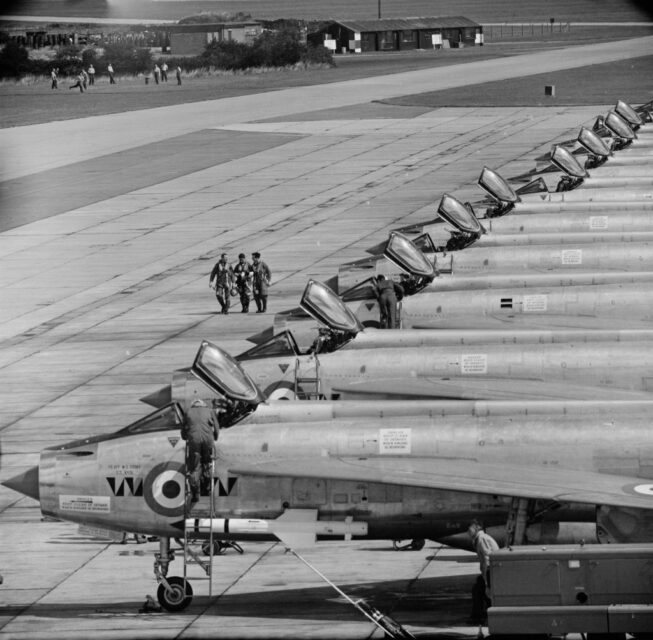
<point x="261" y="282"/>
<point x="110" y="71"/>
<point x="164" y="72"/>
<point x="91" y="74"/>
<point x="200" y="431"/>
<point x="388" y="293"/>
<point x="483" y="544"/>
<point x="178" y="75"/>
<point x="243" y="280"/>
<point x="54" y="78"/>
<point x="224" y="276"/>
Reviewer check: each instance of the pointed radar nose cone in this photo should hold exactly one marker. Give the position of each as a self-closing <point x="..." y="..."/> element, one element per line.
<point x="26" y="483"/>
<point x="159" y="398"/>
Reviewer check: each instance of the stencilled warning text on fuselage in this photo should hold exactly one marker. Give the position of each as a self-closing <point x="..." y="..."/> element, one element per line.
<point x="598" y="222"/>
<point x="571" y="256"/>
<point x="88" y="504"/>
<point x="394" y="440"/>
<point x="473" y="363"/>
<point x="535" y="303"/>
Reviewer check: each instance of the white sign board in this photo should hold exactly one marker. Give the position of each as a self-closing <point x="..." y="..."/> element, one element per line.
<point x="330" y="44"/>
<point x="436" y="39"/>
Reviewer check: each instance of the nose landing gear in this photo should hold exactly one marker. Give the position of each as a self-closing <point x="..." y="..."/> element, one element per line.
<point x="174" y="593"/>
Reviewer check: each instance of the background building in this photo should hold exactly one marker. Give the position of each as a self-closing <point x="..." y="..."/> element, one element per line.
<point x="190" y="39"/>
<point x="398" y="34"/>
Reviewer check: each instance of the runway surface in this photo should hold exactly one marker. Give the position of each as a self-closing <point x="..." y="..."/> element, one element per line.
<point x="104" y="291"/>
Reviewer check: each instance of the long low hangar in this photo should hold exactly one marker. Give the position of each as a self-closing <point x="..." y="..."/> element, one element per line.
<point x="398" y="34"/>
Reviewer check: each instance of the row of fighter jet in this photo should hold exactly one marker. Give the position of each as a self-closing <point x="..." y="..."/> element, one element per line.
<point x="517" y="390"/>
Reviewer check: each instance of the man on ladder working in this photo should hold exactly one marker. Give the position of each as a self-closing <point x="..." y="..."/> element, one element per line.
<point x="200" y="431"/>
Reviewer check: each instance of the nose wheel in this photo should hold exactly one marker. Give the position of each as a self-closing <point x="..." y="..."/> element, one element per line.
<point x="175" y="595"/>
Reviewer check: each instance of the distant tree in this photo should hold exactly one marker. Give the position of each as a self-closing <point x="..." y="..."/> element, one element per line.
<point x="89" y="56"/>
<point x="212" y="18"/>
<point x="14" y="60"/>
<point x="68" y="60"/>
<point x="125" y="58"/>
<point x="230" y="55"/>
<point x="318" y="54"/>
<point x="279" y="48"/>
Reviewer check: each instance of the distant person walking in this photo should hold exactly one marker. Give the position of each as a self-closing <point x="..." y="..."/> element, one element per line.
<point x="388" y="293"/>
<point x="110" y="71"/>
<point x="223" y="276"/>
<point x="55" y="79"/>
<point x="157" y="73"/>
<point x="79" y="82"/>
<point x="91" y="74"/>
<point x="178" y="74"/>
<point x="243" y="279"/>
<point x="85" y="79"/>
<point x="261" y="281"/>
<point x="164" y="72"/>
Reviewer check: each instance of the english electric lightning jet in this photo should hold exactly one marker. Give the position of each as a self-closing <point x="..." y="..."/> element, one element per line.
<point x="458" y="227"/>
<point x="405" y="477"/>
<point x="344" y="361"/>
<point x="547" y="299"/>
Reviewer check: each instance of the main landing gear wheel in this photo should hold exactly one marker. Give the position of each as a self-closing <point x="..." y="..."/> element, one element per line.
<point x="178" y="597"/>
<point x="417" y="544"/>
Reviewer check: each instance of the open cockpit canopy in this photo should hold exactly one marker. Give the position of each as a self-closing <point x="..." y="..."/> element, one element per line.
<point x="564" y="160"/>
<point x="457" y="214"/>
<point x="326" y="307"/>
<point x="401" y="251"/>
<point x="496" y="187"/>
<point x="618" y="126"/>
<point x="222" y="373"/>
<point x="591" y="141"/>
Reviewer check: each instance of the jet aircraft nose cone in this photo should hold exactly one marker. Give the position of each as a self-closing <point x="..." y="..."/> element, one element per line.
<point x="26" y="483"/>
<point x="159" y="398"/>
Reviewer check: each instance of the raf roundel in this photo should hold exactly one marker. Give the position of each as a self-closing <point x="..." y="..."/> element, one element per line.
<point x="641" y="489"/>
<point x="164" y="489"/>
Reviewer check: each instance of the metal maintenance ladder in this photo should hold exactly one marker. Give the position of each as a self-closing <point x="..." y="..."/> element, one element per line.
<point x="196" y="544"/>
<point x="308" y="387"/>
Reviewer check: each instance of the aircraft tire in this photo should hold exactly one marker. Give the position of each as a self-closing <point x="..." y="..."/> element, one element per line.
<point x="178" y="598"/>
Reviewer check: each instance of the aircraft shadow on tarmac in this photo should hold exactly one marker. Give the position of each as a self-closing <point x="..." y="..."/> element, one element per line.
<point x="432" y="602"/>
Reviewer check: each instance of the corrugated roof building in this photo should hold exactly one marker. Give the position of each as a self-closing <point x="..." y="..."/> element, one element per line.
<point x="398" y="34"/>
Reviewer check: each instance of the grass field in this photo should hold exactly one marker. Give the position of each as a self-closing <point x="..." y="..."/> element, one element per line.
<point x="32" y="101"/>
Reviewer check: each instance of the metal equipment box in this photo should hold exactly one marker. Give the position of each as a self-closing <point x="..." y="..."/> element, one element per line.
<point x="564" y="589"/>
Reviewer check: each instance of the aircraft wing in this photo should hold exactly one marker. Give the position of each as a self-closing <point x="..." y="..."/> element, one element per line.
<point x="481" y="388"/>
<point x="508" y="479"/>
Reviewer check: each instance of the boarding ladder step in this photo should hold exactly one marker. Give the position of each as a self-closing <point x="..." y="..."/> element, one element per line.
<point x="308" y="387"/>
<point x="199" y="549"/>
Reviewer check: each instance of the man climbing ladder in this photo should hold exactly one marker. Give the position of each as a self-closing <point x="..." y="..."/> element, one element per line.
<point x="200" y="431"/>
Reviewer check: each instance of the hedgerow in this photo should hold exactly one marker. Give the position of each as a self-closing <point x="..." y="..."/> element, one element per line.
<point x="272" y="49"/>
